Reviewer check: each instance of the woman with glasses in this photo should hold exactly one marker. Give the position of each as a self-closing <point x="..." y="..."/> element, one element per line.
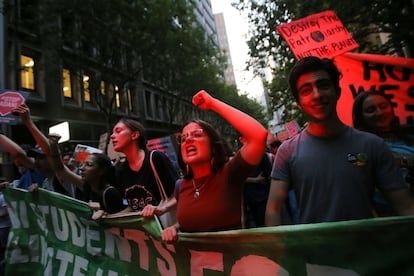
<point x="209" y="196"/>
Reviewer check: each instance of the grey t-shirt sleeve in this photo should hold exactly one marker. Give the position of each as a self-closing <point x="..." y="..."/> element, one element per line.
<point x="387" y="174"/>
<point x="280" y="169"/>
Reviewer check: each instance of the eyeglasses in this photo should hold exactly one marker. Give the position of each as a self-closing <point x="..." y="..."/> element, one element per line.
<point x="194" y="134"/>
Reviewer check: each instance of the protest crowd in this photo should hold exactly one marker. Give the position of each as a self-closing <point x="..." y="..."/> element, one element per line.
<point x="328" y="172"/>
<point x="350" y="166"/>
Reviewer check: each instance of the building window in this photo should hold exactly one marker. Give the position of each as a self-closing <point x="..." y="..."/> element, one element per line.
<point x="148" y="104"/>
<point x="117" y="100"/>
<point x="67" y="84"/>
<point x="132" y="101"/>
<point x="125" y="98"/>
<point x="27" y="73"/>
<point x="167" y="105"/>
<point x="103" y="88"/>
<point x="86" y="91"/>
<point x="110" y="93"/>
<point x="158" y="107"/>
<point x="129" y="98"/>
<point x="117" y="97"/>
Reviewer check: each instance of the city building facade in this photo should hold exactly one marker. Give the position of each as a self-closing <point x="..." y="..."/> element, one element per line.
<point x="224" y="46"/>
<point x="205" y="16"/>
<point x="62" y="86"/>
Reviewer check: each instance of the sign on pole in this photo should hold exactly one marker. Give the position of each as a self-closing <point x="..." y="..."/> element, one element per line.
<point x="8" y="101"/>
<point x="322" y="35"/>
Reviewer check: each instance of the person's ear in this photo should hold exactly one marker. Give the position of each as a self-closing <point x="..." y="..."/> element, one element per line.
<point x="135" y="135"/>
<point x="299" y="105"/>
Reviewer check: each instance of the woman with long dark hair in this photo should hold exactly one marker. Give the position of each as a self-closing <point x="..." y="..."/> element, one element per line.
<point x="96" y="179"/>
<point x="373" y="112"/>
<point x="210" y="195"/>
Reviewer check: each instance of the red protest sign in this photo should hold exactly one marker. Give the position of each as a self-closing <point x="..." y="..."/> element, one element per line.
<point x="8" y="101"/>
<point x="322" y="35"/>
<point x="393" y="76"/>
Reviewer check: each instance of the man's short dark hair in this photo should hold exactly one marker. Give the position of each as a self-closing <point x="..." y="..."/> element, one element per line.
<point x="312" y="64"/>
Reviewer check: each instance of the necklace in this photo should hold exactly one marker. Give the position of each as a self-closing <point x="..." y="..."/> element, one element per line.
<point x="196" y="190"/>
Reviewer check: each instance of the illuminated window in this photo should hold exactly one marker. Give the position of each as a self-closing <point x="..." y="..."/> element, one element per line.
<point x="27" y="73"/>
<point x="67" y="87"/>
<point x="117" y="97"/>
<point x="132" y="100"/>
<point x="103" y="88"/>
<point x="86" y="91"/>
<point x="117" y="100"/>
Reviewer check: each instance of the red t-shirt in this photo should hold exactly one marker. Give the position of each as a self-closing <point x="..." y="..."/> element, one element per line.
<point x="218" y="206"/>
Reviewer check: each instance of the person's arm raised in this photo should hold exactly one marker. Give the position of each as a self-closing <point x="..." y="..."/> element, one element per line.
<point x="16" y="152"/>
<point x="24" y="112"/>
<point x="55" y="159"/>
<point x="253" y="132"/>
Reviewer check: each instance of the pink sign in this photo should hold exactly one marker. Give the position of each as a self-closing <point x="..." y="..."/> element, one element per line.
<point x="322" y="35"/>
<point x="8" y="101"/>
<point x="292" y="128"/>
<point x="282" y="136"/>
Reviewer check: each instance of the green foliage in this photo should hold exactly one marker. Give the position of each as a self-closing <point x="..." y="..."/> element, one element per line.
<point x="243" y="102"/>
<point x="178" y="56"/>
<point x="361" y="18"/>
<point x="160" y="37"/>
<point x="229" y="95"/>
<point x="118" y="42"/>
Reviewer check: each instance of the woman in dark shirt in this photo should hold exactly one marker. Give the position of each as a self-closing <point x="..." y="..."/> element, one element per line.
<point x="95" y="179"/>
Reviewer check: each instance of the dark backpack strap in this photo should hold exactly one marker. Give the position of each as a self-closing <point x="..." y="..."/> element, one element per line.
<point x="105" y="207"/>
<point x="177" y="188"/>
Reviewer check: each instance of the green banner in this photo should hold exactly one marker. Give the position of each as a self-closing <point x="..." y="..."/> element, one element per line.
<point x="54" y="235"/>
